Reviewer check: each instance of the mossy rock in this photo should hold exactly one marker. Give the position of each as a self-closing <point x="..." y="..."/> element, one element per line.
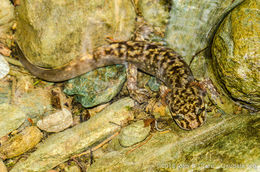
<point x="235" y="53"/>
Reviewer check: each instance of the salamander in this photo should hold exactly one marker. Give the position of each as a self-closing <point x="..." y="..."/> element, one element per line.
<point x="185" y="100"/>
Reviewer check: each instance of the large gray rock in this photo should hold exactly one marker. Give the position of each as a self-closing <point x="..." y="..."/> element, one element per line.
<point x="51" y="33"/>
<point x="236" y="55"/>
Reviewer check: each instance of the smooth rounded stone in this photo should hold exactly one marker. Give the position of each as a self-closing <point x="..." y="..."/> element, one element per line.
<point x="235" y="53"/>
<point x="21" y="142"/>
<point x="98" y="86"/>
<point x="59" y="147"/>
<point x="6" y="16"/>
<point x="2" y="166"/>
<point x="192" y="24"/>
<point x="70" y="29"/>
<point x="4" y="67"/>
<point x="56" y="122"/>
<point x="11" y="117"/>
<point x="134" y="133"/>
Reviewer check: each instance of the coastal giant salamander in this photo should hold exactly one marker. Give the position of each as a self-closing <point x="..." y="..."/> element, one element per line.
<point x="185" y="100"/>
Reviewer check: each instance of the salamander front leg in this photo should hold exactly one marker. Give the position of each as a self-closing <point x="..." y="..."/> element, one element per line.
<point x="138" y="94"/>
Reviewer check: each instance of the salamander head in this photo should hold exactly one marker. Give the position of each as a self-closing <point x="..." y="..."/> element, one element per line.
<point x="188" y="108"/>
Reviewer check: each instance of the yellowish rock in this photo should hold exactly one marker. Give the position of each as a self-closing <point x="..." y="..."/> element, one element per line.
<point x="21" y="142"/>
<point x="69" y="29"/>
<point x="235" y="52"/>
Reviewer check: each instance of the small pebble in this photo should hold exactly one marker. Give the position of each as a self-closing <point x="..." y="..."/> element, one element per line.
<point x="133" y="134"/>
<point x="56" y="122"/>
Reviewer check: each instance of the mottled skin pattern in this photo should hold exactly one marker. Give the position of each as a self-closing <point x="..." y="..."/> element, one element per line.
<point x="185" y="99"/>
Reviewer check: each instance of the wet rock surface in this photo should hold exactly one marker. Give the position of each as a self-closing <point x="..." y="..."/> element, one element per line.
<point x="133" y="134"/>
<point x="61" y="146"/>
<point x="11" y="117"/>
<point x="56" y="122"/>
<point x="235" y="53"/>
<point x="48" y="31"/>
<point x="228" y="143"/>
<point x="98" y="86"/>
<point x="192" y="24"/>
<point x="21" y="142"/>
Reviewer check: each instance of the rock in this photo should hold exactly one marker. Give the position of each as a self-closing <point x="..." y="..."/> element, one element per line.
<point x="230" y="140"/>
<point x="95" y="110"/>
<point x="6" y="16"/>
<point x="192" y="24"/>
<point x="98" y="86"/>
<point x="155" y="12"/>
<point x="133" y="134"/>
<point x="4" y="50"/>
<point x="59" y="147"/>
<point x="153" y="84"/>
<point x="2" y="166"/>
<point x="21" y="142"/>
<point x="11" y="117"/>
<point x="4" y="67"/>
<point x="235" y="53"/>
<point x="191" y="27"/>
<point x="73" y="168"/>
<point x="34" y="102"/>
<point x="24" y="85"/>
<point x="48" y="31"/>
<point x="5" y="91"/>
<point x="56" y="122"/>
